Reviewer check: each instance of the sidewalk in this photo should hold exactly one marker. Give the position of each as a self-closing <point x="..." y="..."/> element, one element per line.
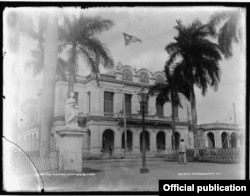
<point x="124" y="175"/>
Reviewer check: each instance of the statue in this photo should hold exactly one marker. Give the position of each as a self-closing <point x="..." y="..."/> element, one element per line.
<point x="71" y="111"/>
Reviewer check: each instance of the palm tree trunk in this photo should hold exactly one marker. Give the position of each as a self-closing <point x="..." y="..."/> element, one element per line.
<point x="49" y="80"/>
<point x="71" y="81"/>
<point x="97" y="79"/>
<point x="96" y="68"/>
<point x="194" y="117"/>
<point x="173" y="122"/>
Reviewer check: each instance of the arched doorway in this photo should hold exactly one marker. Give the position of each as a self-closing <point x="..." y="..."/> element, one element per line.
<point x="177" y="138"/>
<point x="147" y="144"/>
<point x="210" y="140"/>
<point x="129" y="140"/>
<point x="224" y="140"/>
<point x="234" y="140"/>
<point x="107" y="140"/>
<point x="160" y="141"/>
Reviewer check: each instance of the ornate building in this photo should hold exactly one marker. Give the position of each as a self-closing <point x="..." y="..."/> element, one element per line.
<point x="101" y="112"/>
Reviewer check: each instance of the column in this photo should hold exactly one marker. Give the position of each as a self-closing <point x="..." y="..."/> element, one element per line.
<point x="217" y="138"/>
<point x="95" y="101"/>
<point x="136" y="142"/>
<point x="117" y="142"/>
<point x="168" y="140"/>
<point x="96" y="140"/>
<point x="152" y="141"/>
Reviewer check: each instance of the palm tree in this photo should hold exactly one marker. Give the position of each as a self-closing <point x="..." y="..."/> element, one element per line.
<point x="37" y="33"/>
<point x="169" y="92"/>
<point x="78" y="33"/>
<point x="17" y="22"/>
<point x="49" y="81"/>
<point x="197" y="61"/>
<point x="229" y="31"/>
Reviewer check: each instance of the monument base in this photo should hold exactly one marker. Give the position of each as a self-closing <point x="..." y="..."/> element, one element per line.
<point x="70" y="147"/>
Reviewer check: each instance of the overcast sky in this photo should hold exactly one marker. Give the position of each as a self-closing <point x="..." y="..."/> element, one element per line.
<point x="155" y="27"/>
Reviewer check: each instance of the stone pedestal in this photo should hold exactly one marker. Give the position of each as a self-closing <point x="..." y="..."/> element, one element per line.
<point x="70" y="147"/>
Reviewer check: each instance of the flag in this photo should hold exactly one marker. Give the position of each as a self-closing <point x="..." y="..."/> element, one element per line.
<point x="130" y="39"/>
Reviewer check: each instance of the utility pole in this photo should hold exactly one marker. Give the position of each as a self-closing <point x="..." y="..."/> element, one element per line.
<point x="124" y="117"/>
<point x="234" y="117"/>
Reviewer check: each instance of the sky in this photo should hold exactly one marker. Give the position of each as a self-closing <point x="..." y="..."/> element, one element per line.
<point x="155" y="27"/>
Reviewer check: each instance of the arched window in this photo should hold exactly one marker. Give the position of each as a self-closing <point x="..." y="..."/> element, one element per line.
<point x="144" y="78"/>
<point x="159" y="79"/>
<point x="127" y="75"/>
<point x="210" y="139"/>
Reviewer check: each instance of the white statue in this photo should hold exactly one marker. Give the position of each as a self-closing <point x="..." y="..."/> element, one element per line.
<point x="71" y="111"/>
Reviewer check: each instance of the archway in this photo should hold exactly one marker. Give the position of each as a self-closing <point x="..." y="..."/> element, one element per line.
<point x="234" y="140"/>
<point x="160" y="141"/>
<point x="129" y="140"/>
<point x="147" y="144"/>
<point x="177" y="138"/>
<point x="107" y="140"/>
<point x="224" y="140"/>
<point x="210" y="140"/>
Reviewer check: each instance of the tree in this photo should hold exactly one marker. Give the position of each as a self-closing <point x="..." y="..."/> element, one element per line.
<point x="196" y="58"/>
<point x="49" y="80"/>
<point x="78" y="33"/>
<point x="37" y="33"/>
<point x="229" y="29"/>
<point x="169" y="91"/>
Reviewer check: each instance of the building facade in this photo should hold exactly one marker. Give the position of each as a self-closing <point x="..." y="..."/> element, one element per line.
<point x="101" y="113"/>
<point x="220" y="135"/>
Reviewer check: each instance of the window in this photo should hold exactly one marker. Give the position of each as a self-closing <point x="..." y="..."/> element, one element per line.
<point x="144" y="78"/>
<point x="176" y="111"/>
<point x="127" y="75"/>
<point x="159" y="110"/>
<point x="128" y="103"/>
<point x="108" y="102"/>
<point x="159" y="79"/>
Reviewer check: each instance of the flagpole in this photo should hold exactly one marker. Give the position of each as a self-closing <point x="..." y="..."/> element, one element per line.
<point x="124" y="117"/>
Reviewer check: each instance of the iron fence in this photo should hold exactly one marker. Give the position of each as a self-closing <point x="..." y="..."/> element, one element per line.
<point x="214" y="154"/>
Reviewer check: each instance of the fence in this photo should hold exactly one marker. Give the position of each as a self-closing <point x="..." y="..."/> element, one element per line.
<point x="215" y="154"/>
<point x="220" y="154"/>
<point x="22" y="164"/>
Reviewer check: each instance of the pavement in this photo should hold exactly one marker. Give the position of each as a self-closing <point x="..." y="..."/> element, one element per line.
<point x="124" y="175"/>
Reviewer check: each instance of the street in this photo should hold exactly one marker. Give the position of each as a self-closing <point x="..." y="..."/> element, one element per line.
<point x="124" y="175"/>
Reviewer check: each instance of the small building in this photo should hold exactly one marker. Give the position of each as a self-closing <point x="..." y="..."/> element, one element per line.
<point x="220" y="135"/>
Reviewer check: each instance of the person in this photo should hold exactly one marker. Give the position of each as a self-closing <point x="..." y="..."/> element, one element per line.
<point x="71" y="111"/>
<point x="182" y="152"/>
<point x="110" y="150"/>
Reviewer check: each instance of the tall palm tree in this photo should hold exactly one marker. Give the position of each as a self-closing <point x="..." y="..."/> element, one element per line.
<point x="49" y="81"/>
<point x="229" y="29"/>
<point x="78" y="33"/>
<point x="17" y="22"/>
<point x="197" y="61"/>
<point x="169" y="91"/>
<point x="37" y="33"/>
